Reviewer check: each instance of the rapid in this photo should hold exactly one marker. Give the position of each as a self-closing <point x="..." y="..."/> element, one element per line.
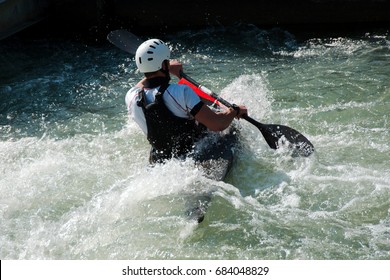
<point x="75" y="181"/>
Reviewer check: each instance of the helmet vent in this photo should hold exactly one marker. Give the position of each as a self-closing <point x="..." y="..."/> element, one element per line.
<point x="150" y="58"/>
<point x="150" y="52"/>
<point x="152" y="46"/>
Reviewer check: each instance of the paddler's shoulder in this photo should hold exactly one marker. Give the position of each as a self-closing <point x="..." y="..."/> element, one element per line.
<point x="183" y="88"/>
<point x="132" y="94"/>
<point x="133" y="91"/>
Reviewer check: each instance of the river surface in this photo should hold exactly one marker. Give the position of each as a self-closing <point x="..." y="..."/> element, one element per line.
<point x="74" y="175"/>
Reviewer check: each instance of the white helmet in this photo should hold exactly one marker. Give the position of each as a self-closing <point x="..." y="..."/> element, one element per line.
<point x="150" y="55"/>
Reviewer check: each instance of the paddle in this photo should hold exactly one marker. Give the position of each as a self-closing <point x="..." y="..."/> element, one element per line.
<point x="124" y="40"/>
<point x="274" y="134"/>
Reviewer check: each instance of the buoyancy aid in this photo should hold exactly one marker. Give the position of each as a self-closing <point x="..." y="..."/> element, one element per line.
<point x="169" y="135"/>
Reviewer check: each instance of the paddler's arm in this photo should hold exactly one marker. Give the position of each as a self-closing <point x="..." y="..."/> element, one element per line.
<point x="218" y="121"/>
<point x="214" y="121"/>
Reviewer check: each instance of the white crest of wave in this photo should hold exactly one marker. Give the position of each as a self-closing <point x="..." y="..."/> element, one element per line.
<point x="252" y="91"/>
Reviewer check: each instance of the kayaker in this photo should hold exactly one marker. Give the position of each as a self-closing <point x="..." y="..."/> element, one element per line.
<point x="171" y="115"/>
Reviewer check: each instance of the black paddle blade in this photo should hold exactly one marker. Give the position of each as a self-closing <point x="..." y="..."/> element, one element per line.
<point x="124" y="40"/>
<point x="276" y="135"/>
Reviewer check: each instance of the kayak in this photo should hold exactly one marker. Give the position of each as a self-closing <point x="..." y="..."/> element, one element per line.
<point x="214" y="155"/>
<point x="216" y="159"/>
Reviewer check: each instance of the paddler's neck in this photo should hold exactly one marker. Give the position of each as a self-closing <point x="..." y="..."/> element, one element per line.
<point x="153" y="80"/>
